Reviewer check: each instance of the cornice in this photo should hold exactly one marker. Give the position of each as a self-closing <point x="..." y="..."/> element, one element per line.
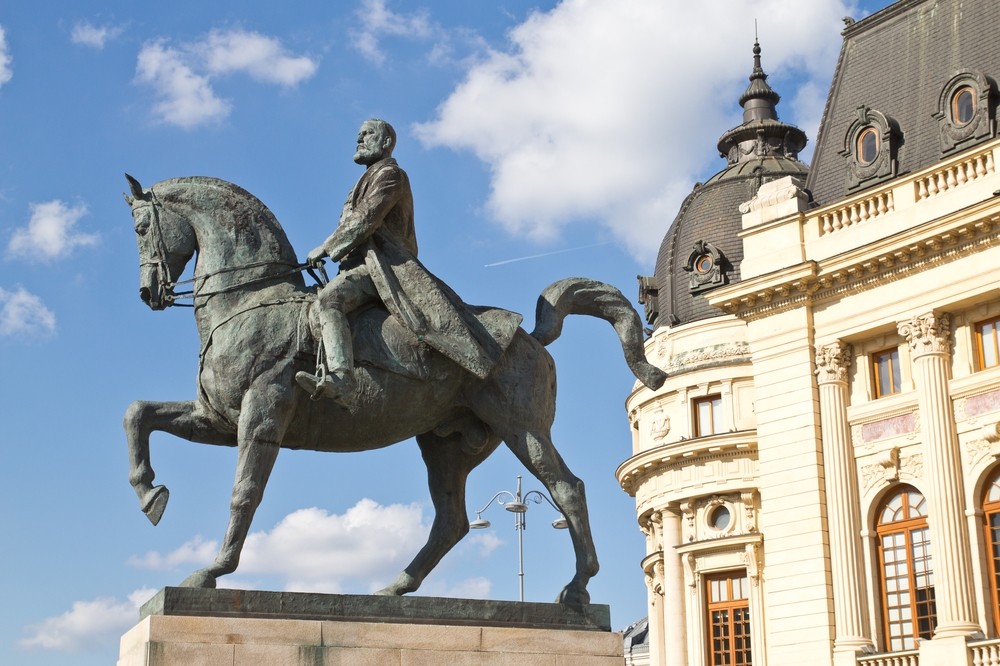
<point x="948" y="238"/>
<point x="684" y="452"/>
<point x="738" y="541"/>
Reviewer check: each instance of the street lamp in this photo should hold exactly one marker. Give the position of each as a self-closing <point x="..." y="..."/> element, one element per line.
<point x="517" y="504"/>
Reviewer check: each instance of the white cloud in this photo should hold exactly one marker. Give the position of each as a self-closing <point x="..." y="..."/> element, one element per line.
<point x="317" y="552"/>
<point x="24" y="313"/>
<point x="313" y="551"/>
<point x="181" y="77"/>
<point x="608" y="109"/>
<point x="378" y="20"/>
<point x="186" y="99"/>
<point x="88" y="34"/>
<point x="487" y="542"/>
<point x="196" y="551"/>
<point x="5" y="71"/>
<point x="89" y="625"/>
<point x="49" y="234"/>
<point x="263" y="58"/>
<point x="470" y="588"/>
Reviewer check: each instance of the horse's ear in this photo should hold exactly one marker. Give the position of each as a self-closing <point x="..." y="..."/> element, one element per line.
<point x="128" y="199"/>
<point x="135" y="187"/>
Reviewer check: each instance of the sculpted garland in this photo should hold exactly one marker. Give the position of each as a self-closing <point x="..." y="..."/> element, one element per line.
<point x="383" y="352"/>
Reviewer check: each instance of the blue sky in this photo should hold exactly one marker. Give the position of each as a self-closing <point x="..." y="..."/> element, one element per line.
<point x="526" y="128"/>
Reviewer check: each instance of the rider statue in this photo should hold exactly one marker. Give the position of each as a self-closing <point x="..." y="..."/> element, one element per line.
<point x="376" y="246"/>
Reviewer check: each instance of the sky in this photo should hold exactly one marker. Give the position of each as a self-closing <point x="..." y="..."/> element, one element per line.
<point x="542" y="140"/>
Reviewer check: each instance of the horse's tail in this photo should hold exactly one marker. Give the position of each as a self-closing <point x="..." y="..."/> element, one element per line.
<point x="590" y="297"/>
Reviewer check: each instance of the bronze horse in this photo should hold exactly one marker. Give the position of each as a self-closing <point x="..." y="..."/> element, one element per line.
<point x="251" y="306"/>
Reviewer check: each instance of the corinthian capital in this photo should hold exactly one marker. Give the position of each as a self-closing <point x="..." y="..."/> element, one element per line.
<point x="832" y="361"/>
<point x="927" y="334"/>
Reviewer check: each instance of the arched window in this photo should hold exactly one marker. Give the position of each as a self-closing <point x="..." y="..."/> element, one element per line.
<point x="905" y="569"/>
<point x="868" y="146"/>
<point x="991" y="509"/>
<point x="963" y="106"/>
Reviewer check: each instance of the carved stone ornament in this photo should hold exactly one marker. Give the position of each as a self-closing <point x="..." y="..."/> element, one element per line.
<point x="883" y="166"/>
<point x="832" y="361"/>
<point x="889" y="466"/>
<point x="705" y="264"/>
<point x="750" y="511"/>
<point x="955" y="134"/>
<point x="688" y="512"/>
<point x="927" y="334"/>
<point x="660" y="424"/>
<point x="751" y="557"/>
<point x="986" y="446"/>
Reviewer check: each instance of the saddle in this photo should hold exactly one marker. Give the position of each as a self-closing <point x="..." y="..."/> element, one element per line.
<point x="381" y="341"/>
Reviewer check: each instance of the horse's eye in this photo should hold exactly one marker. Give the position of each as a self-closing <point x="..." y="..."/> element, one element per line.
<point x="142" y="227"/>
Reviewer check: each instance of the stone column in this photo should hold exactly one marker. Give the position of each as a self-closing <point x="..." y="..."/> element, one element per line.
<point x="674" y="592"/>
<point x="929" y="337"/>
<point x="850" y="603"/>
<point x="652" y="566"/>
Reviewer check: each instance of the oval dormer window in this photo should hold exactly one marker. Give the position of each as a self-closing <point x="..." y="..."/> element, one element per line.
<point x="703" y="264"/>
<point x="963" y="106"/>
<point x="868" y="146"/>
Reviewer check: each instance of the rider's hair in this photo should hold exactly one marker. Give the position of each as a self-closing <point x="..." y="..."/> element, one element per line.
<point x="386" y="130"/>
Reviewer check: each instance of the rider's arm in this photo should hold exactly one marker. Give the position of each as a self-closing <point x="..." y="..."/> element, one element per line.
<point x="357" y="224"/>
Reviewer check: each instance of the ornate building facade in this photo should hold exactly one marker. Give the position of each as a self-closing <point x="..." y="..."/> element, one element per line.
<point x="819" y="478"/>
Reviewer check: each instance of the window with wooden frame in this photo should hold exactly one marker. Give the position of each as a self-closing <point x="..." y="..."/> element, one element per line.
<point x="885" y="372"/>
<point x="708" y="416"/>
<point x="905" y="570"/>
<point x="991" y="511"/>
<point x="987" y="347"/>
<point x="728" y="618"/>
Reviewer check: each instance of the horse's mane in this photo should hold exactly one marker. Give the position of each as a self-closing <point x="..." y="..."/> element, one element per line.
<point x="243" y="211"/>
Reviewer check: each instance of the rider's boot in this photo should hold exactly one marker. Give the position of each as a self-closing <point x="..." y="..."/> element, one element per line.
<point x="338" y="383"/>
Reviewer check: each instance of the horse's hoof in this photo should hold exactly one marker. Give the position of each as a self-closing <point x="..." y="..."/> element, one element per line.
<point x="156" y="502"/>
<point x="573" y="596"/>
<point x="404" y="583"/>
<point x="200" y="578"/>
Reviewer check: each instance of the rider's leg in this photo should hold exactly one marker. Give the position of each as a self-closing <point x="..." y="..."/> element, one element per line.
<point x="345" y="293"/>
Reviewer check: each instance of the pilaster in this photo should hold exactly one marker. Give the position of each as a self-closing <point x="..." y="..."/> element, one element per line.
<point x="849" y="598"/>
<point x="929" y="337"/>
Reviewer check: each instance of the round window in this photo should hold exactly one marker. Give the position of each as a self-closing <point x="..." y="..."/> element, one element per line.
<point x="964" y="106"/>
<point x="704" y="263"/>
<point x="720" y="518"/>
<point x="868" y="146"/>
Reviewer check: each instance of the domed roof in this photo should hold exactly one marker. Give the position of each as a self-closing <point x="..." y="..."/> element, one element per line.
<point x="702" y="249"/>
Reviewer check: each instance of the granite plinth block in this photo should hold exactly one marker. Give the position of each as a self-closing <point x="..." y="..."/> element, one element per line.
<point x="370" y="608"/>
<point x="316" y="630"/>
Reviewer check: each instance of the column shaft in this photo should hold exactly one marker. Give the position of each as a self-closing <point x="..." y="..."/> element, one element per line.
<point x="674" y="591"/>
<point x="929" y="338"/>
<point x="850" y="601"/>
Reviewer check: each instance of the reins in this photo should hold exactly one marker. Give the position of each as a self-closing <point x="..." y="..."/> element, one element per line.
<point x="167" y="285"/>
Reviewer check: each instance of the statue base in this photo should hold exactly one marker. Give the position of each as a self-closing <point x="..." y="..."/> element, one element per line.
<point x="190" y="627"/>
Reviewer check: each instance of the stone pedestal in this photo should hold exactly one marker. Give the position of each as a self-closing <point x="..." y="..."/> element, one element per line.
<point x="239" y="628"/>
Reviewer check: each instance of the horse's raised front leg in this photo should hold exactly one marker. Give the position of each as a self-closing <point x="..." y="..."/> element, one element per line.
<point x="266" y="411"/>
<point x="448" y="466"/>
<point x="182" y="419"/>
<point x="536" y="452"/>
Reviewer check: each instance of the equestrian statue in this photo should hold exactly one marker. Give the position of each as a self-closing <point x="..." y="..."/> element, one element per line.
<point x="381" y="353"/>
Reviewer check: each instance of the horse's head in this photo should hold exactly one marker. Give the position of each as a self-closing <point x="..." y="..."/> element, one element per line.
<point x="166" y="244"/>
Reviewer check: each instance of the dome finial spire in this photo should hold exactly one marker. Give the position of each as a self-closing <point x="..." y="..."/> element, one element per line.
<point x="759" y="100"/>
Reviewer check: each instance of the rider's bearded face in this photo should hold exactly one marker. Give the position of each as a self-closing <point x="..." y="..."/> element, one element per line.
<point x="370" y="144"/>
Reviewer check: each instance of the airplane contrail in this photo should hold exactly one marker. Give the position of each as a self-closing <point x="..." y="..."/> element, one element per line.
<point x="545" y="254"/>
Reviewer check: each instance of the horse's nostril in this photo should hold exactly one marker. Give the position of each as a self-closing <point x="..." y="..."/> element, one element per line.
<point x="145" y="294"/>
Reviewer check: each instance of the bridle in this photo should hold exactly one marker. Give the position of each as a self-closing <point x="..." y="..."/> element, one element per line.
<point x="166" y="284"/>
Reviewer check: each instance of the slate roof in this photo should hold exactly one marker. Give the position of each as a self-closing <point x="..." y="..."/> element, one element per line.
<point x="897" y="61"/>
<point x="760" y="150"/>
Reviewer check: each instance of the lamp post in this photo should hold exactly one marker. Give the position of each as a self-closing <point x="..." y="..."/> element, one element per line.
<point x="517" y="504"/>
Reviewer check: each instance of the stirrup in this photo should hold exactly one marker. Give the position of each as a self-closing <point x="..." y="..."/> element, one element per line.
<point x="329" y="386"/>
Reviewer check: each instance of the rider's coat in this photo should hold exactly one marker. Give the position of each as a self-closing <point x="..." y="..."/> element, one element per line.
<point x="376" y="228"/>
